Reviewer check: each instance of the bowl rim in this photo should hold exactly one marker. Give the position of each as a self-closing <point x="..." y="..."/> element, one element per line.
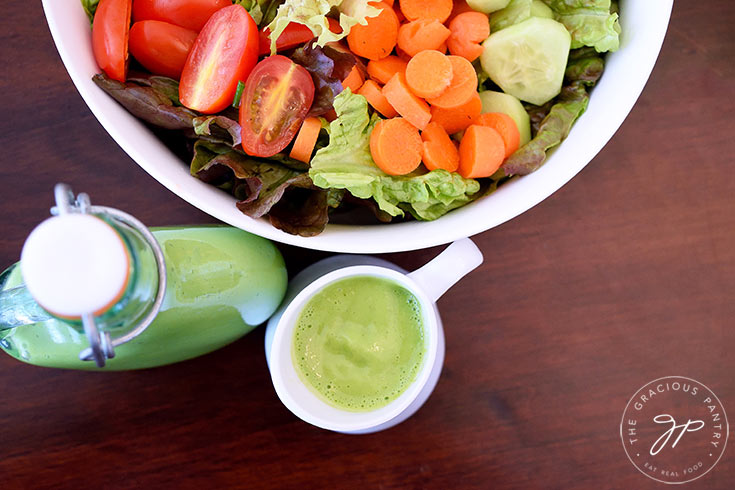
<point x="644" y="28"/>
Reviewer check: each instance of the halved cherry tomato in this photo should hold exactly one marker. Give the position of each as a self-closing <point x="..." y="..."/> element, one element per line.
<point x="334" y="25"/>
<point x="276" y="98"/>
<point x="191" y="14"/>
<point x="223" y="54"/>
<point x="110" y="37"/>
<point x="161" y="47"/>
<point x="293" y="35"/>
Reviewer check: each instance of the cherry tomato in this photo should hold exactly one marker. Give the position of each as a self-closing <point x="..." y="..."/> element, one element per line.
<point x="293" y="35"/>
<point x="110" y="37"/>
<point x="161" y="47"/>
<point x="191" y="14"/>
<point x="223" y="54"/>
<point x="276" y="98"/>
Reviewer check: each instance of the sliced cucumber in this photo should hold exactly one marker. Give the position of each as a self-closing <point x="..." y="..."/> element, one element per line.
<point x="517" y="11"/>
<point x="487" y="6"/>
<point x="540" y="9"/>
<point x="527" y="60"/>
<point x="507" y="104"/>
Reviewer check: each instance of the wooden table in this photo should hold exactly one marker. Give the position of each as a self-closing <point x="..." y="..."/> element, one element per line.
<point x="623" y="276"/>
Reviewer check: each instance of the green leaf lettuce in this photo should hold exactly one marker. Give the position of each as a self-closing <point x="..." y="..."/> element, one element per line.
<point x="313" y="14"/>
<point x="346" y="163"/>
<point x="590" y="22"/>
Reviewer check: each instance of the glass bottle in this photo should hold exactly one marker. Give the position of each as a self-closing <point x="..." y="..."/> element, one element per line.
<point x="150" y="298"/>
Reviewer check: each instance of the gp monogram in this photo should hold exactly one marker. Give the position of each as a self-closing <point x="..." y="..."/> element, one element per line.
<point x="674" y="429"/>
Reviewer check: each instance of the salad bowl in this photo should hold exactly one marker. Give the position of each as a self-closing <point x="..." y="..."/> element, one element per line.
<point x="643" y="24"/>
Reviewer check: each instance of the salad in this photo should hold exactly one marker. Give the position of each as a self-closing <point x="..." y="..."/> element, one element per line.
<point x="311" y="110"/>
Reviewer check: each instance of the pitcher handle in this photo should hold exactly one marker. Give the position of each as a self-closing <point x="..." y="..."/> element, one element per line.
<point x="455" y="262"/>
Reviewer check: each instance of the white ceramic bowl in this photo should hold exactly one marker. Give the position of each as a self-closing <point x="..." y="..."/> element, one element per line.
<point x="644" y="25"/>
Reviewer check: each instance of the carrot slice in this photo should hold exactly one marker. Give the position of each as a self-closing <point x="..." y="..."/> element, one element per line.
<point x="414" y="109"/>
<point x="421" y="34"/>
<point x="354" y="80"/>
<point x="377" y="39"/>
<point x="468" y="31"/>
<point x="503" y="124"/>
<point x="429" y="73"/>
<point x="383" y="69"/>
<point x="371" y="91"/>
<point x="439" y="151"/>
<point x="395" y="145"/>
<point x="303" y="145"/>
<point x="462" y="88"/>
<point x="459" y="118"/>
<point x="481" y="152"/>
<point x="427" y="9"/>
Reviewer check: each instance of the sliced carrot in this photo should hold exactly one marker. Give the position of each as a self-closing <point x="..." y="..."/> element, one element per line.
<point x="389" y="2"/>
<point x="377" y="39"/>
<point x="395" y="145"/>
<point x="371" y="91"/>
<point x="442" y="48"/>
<point x="439" y="151"/>
<point x="462" y="88"/>
<point x="413" y="108"/>
<point x="426" y="9"/>
<point x="468" y="31"/>
<point x="354" y="80"/>
<point x="429" y="73"/>
<point x="459" y="118"/>
<point x="383" y="69"/>
<point x="421" y="34"/>
<point x="481" y="152"/>
<point x="306" y="138"/>
<point x="503" y="124"/>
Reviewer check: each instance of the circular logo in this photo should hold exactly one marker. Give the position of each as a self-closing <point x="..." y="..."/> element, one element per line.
<point x="674" y="429"/>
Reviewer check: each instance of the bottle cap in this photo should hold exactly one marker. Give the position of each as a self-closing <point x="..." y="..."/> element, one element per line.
<point x="75" y="264"/>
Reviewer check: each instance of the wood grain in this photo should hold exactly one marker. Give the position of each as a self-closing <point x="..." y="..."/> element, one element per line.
<point x="624" y="275"/>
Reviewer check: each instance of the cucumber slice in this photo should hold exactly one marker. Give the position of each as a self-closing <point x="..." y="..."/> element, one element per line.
<point x="528" y="59"/>
<point x="487" y="6"/>
<point x="540" y="9"/>
<point x="507" y="104"/>
<point x="517" y="11"/>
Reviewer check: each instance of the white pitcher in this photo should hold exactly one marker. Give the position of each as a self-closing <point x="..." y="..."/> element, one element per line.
<point x="428" y="284"/>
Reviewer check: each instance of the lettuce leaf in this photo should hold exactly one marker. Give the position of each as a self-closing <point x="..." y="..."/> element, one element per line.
<point x="265" y="188"/>
<point x="262" y="11"/>
<point x="149" y="99"/>
<point x="313" y="14"/>
<point x="327" y="66"/>
<point x="590" y="22"/>
<point x="346" y="163"/>
<point x="218" y="129"/>
<point x="90" y="7"/>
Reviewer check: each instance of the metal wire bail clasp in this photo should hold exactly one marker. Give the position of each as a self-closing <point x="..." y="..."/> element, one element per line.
<point x="101" y="345"/>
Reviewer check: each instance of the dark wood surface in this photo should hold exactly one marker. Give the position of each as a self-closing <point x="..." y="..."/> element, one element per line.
<point x="625" y="275"/>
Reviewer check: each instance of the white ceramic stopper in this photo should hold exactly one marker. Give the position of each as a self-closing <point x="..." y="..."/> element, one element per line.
<point x="75" y="264"/>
